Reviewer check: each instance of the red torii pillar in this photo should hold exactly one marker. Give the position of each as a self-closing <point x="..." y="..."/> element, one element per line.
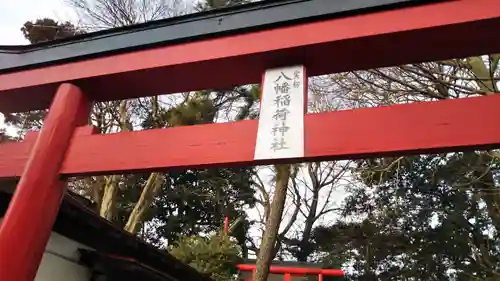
<point x="35" y="203"/>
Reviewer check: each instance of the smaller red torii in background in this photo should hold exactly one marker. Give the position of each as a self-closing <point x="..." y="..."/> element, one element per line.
<point x="288" y="272"/>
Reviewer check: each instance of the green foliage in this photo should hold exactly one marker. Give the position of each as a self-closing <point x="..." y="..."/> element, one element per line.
<point x="216" y="255"/>
<point x="198" y="110"/>
<point x="432" y="217"/>
<point x="196" y="201"/>
<point x="250" y="97"/>
<point x="217" y="4"/>
<point x="3" y="136"/>
<point x="333" y="260"/>
<point x="46" y="29"/>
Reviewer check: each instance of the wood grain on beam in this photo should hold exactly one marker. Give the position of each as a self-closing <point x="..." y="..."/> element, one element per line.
<point x="451" y="125"/>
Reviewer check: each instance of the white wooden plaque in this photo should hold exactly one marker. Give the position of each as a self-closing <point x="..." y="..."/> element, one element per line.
<point x="281" y="121"/>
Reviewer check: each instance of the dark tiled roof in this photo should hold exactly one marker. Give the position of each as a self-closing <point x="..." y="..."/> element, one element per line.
<point x="114" y="247"/>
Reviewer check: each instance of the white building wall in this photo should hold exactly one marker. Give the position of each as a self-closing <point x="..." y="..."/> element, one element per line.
<point x="60" y="261"/>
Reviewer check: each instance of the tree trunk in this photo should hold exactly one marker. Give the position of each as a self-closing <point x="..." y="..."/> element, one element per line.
<point x="485" y="186"/>
<point x="272" y="224"/>
<point x="109" y="197"/>
<point x="108" y="203"/>
<point x="142" y="206"/>
<point x="483" y="74"/>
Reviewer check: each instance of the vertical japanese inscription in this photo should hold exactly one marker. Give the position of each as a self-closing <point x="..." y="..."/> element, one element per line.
<point x="281" y="121"/>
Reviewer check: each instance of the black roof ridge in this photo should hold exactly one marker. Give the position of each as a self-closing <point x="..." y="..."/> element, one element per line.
<point x="149" y="25"/>
<point x="240" y="19"/>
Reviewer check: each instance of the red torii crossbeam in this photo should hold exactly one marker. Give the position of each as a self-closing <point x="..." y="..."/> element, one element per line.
<point x="406" y="35"/>
<point x="451" y="125"/>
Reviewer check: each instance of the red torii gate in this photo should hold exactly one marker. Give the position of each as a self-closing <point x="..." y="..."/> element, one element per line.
<point x="383" y="37"/>
<point x="289" y="272"/>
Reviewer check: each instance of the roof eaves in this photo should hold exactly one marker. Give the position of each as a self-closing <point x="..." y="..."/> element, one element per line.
<point x="78" y="222"/>
<point x="199" y="26"/>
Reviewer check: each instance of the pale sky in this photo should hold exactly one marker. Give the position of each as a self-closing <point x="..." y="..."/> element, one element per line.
<point x="14" y="13"/>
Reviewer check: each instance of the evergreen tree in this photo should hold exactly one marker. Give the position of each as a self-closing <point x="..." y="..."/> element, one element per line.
<point x="46" y="29"/>
<point x="216" y="255"/>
